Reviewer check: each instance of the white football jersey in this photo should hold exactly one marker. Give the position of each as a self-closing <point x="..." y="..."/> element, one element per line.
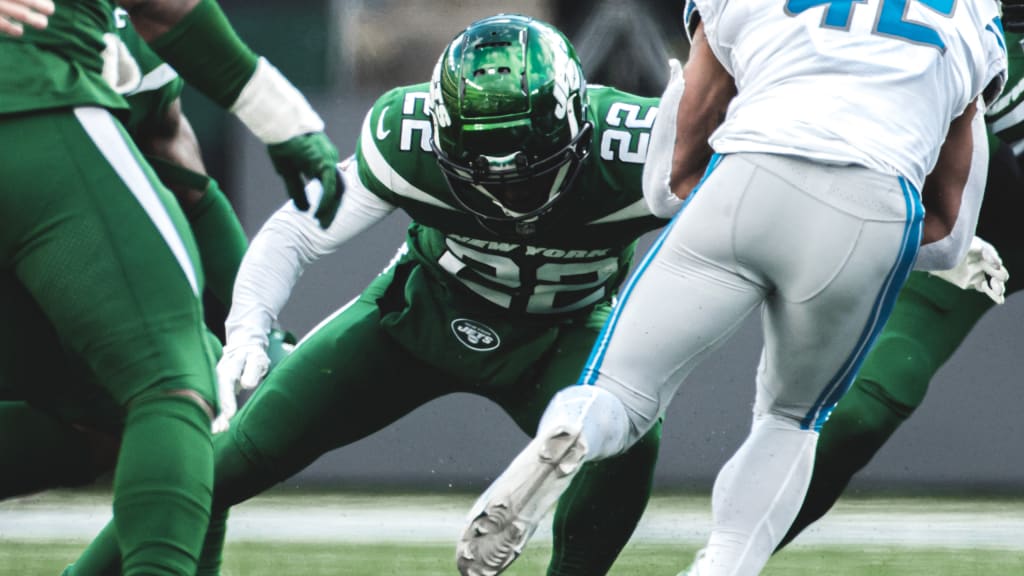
<point x="868" y="82"/>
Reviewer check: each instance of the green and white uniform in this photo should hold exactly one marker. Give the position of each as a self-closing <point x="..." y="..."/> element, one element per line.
<point x="94" y="241"/>
<point x="461" y="309"/>
<point x="86" y="219"/>
<point x="931" y="318"/>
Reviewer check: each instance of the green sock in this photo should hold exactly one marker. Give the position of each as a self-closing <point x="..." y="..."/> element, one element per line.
<point x="213" y="547"/>
<point x="101" y="558"/>
<point x="237" y="478"/>
<point x="163" y="486"/>
<point x="598" y="513"/>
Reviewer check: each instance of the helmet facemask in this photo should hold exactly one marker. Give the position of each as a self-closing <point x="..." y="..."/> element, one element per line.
<point x="509" y="112"/>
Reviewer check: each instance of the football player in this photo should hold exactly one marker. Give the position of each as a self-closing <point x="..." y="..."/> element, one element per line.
<point x="802" y="202"/>
<point x="103" y="252"/>
<point x="65" y="452"/>
<point x="524" y="187"/>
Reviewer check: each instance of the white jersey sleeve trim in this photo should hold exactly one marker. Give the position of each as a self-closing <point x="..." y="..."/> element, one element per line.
<point x="288" y="241"/>
<point x="155" y="79"/>
<point x="382" y="170"/>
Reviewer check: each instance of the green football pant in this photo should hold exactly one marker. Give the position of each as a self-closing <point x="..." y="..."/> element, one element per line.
<point x="103" y="250"/>
<point x="349" y="379"/>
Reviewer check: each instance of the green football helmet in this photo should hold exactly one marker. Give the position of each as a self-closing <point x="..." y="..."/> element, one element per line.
<point x="508" y="103"/>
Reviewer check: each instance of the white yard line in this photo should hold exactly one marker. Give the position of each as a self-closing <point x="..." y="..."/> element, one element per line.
<point x="959" y="524"/>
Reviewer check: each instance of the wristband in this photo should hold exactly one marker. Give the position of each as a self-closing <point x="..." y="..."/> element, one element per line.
<point x="272" y="108"/>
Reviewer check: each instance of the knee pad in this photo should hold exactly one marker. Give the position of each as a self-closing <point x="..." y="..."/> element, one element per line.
<point x="597" y="414"/>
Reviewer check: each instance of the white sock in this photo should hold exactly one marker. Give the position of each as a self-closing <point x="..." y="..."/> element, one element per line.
<point x="757" y="496"/>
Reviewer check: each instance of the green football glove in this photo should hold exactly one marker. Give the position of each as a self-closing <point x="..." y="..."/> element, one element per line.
<point x="310" y="157"/>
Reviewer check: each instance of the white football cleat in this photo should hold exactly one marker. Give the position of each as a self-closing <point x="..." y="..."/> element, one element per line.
<point x="507" y="513"/>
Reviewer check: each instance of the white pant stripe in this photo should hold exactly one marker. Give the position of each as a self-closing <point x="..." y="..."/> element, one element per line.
<point x="100" y="127"/>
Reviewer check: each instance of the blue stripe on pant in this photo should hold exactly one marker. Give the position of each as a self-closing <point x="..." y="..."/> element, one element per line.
<point x="884" y="303"/>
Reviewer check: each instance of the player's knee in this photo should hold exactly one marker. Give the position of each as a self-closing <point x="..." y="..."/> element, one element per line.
<point x="898" y="373"/>
<point x="182" y="403"/>
<point x="598" y="415"/>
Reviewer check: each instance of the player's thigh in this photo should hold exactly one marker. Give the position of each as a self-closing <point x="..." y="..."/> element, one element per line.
<point x="104" y="250"/>
<point x="32" y="353"/>
<point x="686" y="297"/>
<point x="929" y="322"/>
<point x="344" y="381"/>
<point x="836" y="269"/>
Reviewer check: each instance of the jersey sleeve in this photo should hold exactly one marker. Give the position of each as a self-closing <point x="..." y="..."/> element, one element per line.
<point x="1004" y="114"/>
<point x="396" y="160"/>
<point x="372" y="147"/>
<point x="993" y="64"/>
<point x="691" y="18"/>
<point x="709" y="12"/>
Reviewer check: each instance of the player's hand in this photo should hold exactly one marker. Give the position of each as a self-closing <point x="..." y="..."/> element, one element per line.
<point x="15" y="13"/>
<point x="1013" y="15"/>
<point x="240" y="368"/>
<point x="307" y="157"/>
<point x="981" y="269"/>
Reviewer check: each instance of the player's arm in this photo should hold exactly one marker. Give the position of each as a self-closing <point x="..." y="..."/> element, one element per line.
<point x="171" y="139"/>
<point x="702" y="108"/>
<point x="14" y="14"/>
<point x="172" y="149"/>
<point x="953" y="192"/>
<point x="196" y="38"/>
<point x="288" y="241"/>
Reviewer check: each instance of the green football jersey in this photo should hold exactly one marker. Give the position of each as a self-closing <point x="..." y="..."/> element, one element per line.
<point x="159" y="86"/>
<point x="61" y="65"/>
<point x="1006" y="115"/>
<point x="581" y="250"/>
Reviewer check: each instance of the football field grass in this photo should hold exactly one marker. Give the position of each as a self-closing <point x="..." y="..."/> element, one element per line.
<point x="323" y="559"/>
<point x="378" y="534"/>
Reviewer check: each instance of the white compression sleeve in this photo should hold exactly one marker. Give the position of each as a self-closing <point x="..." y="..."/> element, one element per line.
<point x="287" y="242"/>
<point x="950" y="251"/>
<point x="658" y="167"/>
<point x="756" y="496"/>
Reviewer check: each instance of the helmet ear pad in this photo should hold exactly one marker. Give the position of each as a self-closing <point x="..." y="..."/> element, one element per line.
<point x="508" y="104"/>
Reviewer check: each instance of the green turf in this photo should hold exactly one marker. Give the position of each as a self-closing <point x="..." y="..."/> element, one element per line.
<point x="258" y="559"/>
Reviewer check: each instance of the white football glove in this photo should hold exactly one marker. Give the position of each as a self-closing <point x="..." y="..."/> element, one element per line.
<point x="239" y="368"/>
<point x="981" y="269"/>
